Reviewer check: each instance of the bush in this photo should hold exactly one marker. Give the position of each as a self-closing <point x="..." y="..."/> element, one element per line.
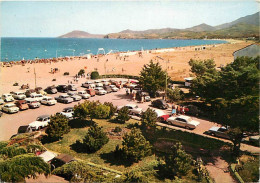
<point x="66" y="73"/>
<point x="174" y="95"/>
<point x="149" y="118"/>
<point x="58" y="126"/>
<point x="86" y="109"/>
<point x="134" y="176"/>
<point x="123" y="115"/>
<point x="117" y="129"/>
<point x="13" y="150"/>
<point x="134" y="146"/>
<point x="94" y="75"/>
<point x="102" y="111"/>
<point x="81" y="72"/>
<point x="112" y="109"/>
<point x="95" y="139"/>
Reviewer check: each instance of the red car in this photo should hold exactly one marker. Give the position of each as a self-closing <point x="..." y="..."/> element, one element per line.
<point x="163" y="118"/>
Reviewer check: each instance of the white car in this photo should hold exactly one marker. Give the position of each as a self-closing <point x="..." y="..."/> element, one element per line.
<point x="19" y="95"/>
<point x="96" y="81"/>
<point x="159" y="112"/>
<point x="7" y="97"/>
<point x="48" y="101"/>
<point x="10" y="108"/>
<point x="75" y="96"/>
<point x="36" y="97"/>
<point x="100" y="91"/>
<point x="114" y="88"/>
<point x="1" y="101"/>
<point x="183" y="121"/>
<point x="84" y="94"/>
<point x="68" y="112"/>
<point x="41" y="122"/>
<point x="32" y="103"/>
<point x="133" y="109"/>
<point x="99" y="85"/>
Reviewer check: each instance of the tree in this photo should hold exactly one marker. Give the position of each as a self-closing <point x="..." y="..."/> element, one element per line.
<point x="152" y="78"/>
<point x="112" y="109"/>
<point x="134" y="146"/>
<point x="81" y="72"/>
<point x="233" y="95"/>
<point x="77" y="171"/>
<point x="123" y="115"/>
<point x="149" y="118"/>
<point x="16" y="169"/>
<point x="57" y="127"/>
<point x="178" y="163"/>
<point x="199" y="67"/>
<point x="86" y="109"/>
<point x="102" y="111"/>
<point x="95" y="138"/>
<point x="13" y="150"/>
<point x="174" y="95"/>
<point x="94" y="75"/>
<point x="134" y="176"/>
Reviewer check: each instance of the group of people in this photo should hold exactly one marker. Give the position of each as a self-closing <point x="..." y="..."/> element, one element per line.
<point x="177" y="109"/>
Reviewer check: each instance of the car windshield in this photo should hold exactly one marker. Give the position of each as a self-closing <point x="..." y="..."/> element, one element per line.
<point x="39" y="119"/>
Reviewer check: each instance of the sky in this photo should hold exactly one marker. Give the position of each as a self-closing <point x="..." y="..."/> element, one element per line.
<point x="55" y="18"/>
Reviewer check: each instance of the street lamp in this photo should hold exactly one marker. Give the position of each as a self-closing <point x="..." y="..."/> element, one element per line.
<point x="166" y="76"/>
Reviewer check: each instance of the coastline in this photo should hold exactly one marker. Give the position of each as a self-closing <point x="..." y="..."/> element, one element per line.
<point x="166" y="47"/>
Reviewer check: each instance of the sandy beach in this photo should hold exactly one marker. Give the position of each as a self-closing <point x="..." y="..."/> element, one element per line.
<point x="178" y="67"/>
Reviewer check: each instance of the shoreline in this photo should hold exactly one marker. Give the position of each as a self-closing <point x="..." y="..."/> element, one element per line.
<point x="55" y="59"/>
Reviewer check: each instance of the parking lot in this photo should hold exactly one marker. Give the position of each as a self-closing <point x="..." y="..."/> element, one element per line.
<point x="9" y="123"/>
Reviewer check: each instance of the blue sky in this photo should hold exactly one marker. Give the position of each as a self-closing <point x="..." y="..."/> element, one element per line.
<point x="54" y="18"/>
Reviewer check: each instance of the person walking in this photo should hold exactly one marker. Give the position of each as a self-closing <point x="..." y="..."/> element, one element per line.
<point x="173" y="110"/>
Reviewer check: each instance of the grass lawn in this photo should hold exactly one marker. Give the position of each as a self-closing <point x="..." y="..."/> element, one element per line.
<point x="105" y="156"/>
<point x="250" y="171"/>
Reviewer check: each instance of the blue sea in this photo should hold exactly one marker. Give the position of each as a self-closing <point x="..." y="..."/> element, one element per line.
<point x="14" y="49"/>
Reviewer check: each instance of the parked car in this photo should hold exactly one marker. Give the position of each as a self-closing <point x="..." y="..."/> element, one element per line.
<point x="68" y="112"/>
<point x="1" y="101"/>
<point x="39" y="90"/>
<point x="105" y="82"/>
<point x="163" y="118"/>
<point x="22" y="105"/>
<point x="159" y="112"/>
<point x="84" y="94"/>
<point x="218" y="132"/>
<point x="159" y="103"/>
<point x="99" y="85"/>
<point x="107" y="89"/>
<point x="140" y="94"/>
<point x="100" y="91"/>
<point x="91" y="92"/>
<point x="254" y="140"/>
<point x="75" y="96"/>
<point x="72" y="87"/>
<point x="62" y="88"/>
<point x="29" y="92"/>
<point x="114" y="88"/>
<point x="48" y="101"/>
<point x="10" y="108"/>
<point x="32" y="103"/>
<point x="183" y="121"/>
<point x="19" y="95"/>
<point x="41" y="122"/>
<point x="85" y="85"/>
<point x="7" y="97"/>
<point x="36" y="97"/>
<point x="133" y="109"/>
<point x="51" y="90"/>
<point x="64" y="99"/>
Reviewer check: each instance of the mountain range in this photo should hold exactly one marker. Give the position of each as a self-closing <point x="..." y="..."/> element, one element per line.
<point x="243" y="27"/>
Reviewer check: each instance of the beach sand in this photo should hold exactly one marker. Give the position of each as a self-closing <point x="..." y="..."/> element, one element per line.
<point x="178" y="67"/>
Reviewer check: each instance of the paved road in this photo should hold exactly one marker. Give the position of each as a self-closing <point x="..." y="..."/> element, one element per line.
<point x="9" y="123"/>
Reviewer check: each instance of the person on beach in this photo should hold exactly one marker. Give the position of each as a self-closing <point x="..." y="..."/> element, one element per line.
<point x="173" y="111"/>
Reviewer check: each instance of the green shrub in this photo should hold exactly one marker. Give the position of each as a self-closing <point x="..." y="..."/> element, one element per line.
<point x="57" y="127"/>
<point x="3" y="144"/>
<point x="102" y="111"/>
<point x="134" y="146"/>
<point x="123" y="115"/>
<point x="66" y="73"/>
<point x="149" y="118"/>
<point x="134" y="176"/>
<point x="117" y="129"/>
<point x="13" y="150"/>
<point x="81" y="72"/>
<point x="94" y="75"/>
<point x="112" y="108"/>
<point x="95" y="139"/>
<point x="175" y="94"/>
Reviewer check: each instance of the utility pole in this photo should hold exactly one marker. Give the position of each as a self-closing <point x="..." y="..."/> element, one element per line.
<point x="35" y="77"/>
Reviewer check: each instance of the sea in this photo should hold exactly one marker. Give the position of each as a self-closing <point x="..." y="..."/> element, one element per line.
<point x="15" y="49"/>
